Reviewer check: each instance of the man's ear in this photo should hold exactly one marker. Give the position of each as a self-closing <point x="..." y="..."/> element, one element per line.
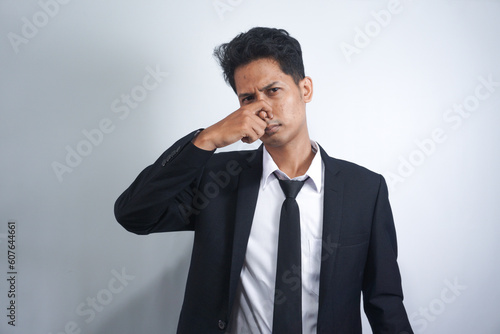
<point x="306" y="88"/>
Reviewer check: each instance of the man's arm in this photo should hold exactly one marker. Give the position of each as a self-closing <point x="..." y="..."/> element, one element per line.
<point x="160" y="197"/>
<point x="382" y="291"/>
<point x="155" y="201"/>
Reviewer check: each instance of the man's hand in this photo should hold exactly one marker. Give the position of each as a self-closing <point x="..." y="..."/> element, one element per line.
<point x="246" y="124"/>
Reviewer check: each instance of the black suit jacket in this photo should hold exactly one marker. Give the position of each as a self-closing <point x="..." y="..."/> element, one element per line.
<point x="215" y="195"/>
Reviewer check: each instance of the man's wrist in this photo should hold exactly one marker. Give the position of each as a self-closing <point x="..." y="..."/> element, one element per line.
<point x="202" y="141"/>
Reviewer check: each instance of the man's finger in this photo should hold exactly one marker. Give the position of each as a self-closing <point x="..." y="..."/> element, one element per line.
<point x="262" y="114"/>
<point x="255" y="130"/>
<point x="264" y="110"/>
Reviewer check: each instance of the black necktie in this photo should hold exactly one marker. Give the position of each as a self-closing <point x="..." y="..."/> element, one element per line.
<point x="287" y="318"/>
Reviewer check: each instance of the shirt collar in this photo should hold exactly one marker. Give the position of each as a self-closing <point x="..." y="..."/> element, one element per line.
<point x="314" y="173"/>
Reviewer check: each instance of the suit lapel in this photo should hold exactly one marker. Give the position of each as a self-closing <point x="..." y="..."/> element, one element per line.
<point x="332" y="219"/>
<point x="248" y="190"/>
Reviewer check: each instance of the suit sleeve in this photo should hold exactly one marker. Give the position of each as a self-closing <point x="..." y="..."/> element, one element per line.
<point x="159" y="200"/>
<point x="382" y="291"/>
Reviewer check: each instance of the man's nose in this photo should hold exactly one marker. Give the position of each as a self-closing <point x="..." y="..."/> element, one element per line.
<point x="260" y="96"/>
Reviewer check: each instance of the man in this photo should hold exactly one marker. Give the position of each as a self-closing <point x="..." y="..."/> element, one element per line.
<point x="237" y="283"/>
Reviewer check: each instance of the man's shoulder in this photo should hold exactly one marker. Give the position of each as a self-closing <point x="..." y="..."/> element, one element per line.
<point x="352" y="166"/>
<point x="349" y="170"/>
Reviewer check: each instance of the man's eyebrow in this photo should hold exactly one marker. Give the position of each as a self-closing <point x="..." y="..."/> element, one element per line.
<point x="243" y="95"/>
<point x="268" y="86"/>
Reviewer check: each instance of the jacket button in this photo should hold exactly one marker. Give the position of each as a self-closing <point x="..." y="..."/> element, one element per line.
<point x="222" y="324"/>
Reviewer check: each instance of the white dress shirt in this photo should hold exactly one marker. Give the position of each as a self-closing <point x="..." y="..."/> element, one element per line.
<point x="254" y="300"/>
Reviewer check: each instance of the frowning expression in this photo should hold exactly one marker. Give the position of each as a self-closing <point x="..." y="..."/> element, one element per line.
<point x="263" y="79"/>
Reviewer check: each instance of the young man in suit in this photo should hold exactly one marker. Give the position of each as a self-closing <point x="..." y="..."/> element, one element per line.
<point x="251" y="272"/>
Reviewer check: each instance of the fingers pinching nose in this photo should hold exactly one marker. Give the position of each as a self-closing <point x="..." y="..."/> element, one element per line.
<point x="263" y="114"/>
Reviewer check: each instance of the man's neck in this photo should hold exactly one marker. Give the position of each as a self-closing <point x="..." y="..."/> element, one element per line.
<point x="293" y="159"/>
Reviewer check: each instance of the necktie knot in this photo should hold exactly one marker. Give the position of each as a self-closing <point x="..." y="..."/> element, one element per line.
<point x="291" y="188"/>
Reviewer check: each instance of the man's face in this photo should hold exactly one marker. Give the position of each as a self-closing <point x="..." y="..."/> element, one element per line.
<point x="264" y="80"/>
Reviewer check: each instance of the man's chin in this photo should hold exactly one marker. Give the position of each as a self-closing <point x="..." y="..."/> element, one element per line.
<point x="271" y="140"/>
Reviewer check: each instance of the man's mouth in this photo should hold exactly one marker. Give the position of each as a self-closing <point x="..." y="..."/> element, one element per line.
<point x="272" y="128"/>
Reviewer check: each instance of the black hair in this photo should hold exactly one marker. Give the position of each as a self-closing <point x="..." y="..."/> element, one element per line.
<point x="258" y="43"/>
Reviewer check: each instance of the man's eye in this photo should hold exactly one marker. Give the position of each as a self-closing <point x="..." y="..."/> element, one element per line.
<point x="247" y="99"/>
<point x="273" y="90"/>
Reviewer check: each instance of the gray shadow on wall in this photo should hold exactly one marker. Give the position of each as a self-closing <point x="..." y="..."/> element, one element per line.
<point x="155" y="309"/>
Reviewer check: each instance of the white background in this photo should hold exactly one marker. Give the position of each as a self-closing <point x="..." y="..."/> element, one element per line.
<point x="63" y="68"/>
